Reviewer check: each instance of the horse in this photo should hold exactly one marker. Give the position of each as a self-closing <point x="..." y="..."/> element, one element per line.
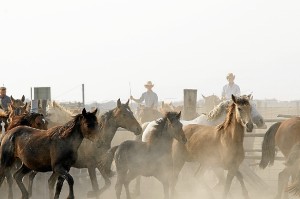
<point x="146" y="114"/>
<point x="220" y="146"/>
<point x="54" y="149"/>
<point x="90" y="153"/>
<point x="218" y="114"/>
<point x="284" y="135"/>
<point x="15" y="107"/>
<point x="35" y="120"/>
<point x="133" y="158"/>
<point x="210" y="102"/>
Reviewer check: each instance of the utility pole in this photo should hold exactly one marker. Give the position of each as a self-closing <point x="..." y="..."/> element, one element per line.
<point x="83" y="103"/>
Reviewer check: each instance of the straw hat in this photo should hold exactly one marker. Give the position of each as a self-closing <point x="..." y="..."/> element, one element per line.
<point x="148" y="84"/>
<point x="230" y="75"/>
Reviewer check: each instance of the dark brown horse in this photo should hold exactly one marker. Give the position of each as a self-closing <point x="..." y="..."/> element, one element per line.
<point x="89" y="155"/>
<point x="285" y="135"/>
<point x="220" y="146"/>
<point x="54" y="149"/>
<point x="134" y="158"/>
<point x="35" y="120"/>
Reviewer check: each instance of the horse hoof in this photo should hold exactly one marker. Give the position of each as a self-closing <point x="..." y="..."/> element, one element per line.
<point x="92" y="194"/>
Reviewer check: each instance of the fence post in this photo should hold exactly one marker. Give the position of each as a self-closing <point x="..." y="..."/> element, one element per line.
<point x="189" y="104"/>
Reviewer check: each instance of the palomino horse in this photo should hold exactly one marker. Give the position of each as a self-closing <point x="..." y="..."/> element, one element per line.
<point x="35" y="120"/>
<point x="220" y="146"/>
<point x="134" y="158"/>
<point x="54" y="149"/>
<point x="210" y="102"/>
<point x="285" y="135"/>
<point x="90" y="154"/>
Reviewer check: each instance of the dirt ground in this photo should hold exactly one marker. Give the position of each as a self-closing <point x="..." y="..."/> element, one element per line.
<point x="189" y="186"/>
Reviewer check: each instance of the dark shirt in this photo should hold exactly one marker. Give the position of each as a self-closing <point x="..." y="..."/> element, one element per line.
<point x="4" y="101"/>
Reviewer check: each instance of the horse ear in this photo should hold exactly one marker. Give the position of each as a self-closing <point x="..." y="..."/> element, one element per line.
<point x="95" y="111"/>
<point x="12" y="99"/>
<point x="127" y="103"/>
<point x="83" y="112"/>
<point x="250" y="96"/>
<point x="178" y="115"/>
<point x="203" y="96"/>
<point x="23" y="98"/>
<point x="233" y="98"/>
<point x="119" y="103"/>
<point x="25" y="106"/>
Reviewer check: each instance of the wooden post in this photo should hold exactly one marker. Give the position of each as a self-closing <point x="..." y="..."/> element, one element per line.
<point x="83" y="102"/>
<point x="189" y="104"/>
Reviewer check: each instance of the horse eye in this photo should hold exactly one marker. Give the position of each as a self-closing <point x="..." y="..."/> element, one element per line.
<point x="239" y="109"/>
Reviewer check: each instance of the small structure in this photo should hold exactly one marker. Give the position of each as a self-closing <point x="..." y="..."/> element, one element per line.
<point x="190" y="104"/>
<point x="42" y="95"/>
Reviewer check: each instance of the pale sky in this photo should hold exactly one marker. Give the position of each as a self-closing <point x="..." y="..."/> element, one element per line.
<point x="109" y="45"/>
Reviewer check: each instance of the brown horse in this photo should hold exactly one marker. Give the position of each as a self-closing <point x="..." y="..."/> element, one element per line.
<point x="54" y="149"/>
<point x="35" y="120"/>
<point x="90" y="154"/>
<point x="285" y="135"/>
<point x="147" y="114"/>
<point x="220" y="146"/>
<point x="134" y="158"/>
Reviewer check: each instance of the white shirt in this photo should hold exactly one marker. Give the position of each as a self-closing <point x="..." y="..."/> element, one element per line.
<point x="231" y="90"/>
<point x="150" y="98"/>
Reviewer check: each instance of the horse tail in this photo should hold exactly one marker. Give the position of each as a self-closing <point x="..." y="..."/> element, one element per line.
<point x="292" y="159"/>
<point x="8" y="152"/>
<point x="268" y="146"/>
<point x="106" y="161"/>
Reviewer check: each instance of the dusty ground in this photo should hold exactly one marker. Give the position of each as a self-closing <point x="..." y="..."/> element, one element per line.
<point x="188" y="186"/>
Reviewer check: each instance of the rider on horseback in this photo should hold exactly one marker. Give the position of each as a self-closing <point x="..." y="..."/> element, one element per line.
<point x="150" y="97"/>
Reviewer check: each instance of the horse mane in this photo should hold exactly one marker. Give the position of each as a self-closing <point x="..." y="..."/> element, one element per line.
<point x="216" y="112"/>
<point x="160" y="124"/>
<point x="65" y="130"/>
<point x="105" y="117"/>
<point x="23" y="119"/>
<point x="243" y="100"/>
<point x="3" y="113"/>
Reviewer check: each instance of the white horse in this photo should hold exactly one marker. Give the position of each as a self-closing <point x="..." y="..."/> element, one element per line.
<point x="213" y="118"/>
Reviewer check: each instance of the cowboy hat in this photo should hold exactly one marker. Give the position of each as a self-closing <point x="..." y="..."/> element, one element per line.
<point x="148" y="83"/>
<point x="230" y="75"/>
<point x="2" y="88"/>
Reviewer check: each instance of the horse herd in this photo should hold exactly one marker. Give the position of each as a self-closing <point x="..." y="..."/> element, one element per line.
<point x="163" y="144"/>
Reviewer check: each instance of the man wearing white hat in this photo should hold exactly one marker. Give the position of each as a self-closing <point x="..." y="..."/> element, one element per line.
<point x="230" y="88"/>
<point x="150" y="97"/>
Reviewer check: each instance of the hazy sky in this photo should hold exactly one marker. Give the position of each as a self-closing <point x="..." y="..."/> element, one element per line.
<point x="108" y="45"/>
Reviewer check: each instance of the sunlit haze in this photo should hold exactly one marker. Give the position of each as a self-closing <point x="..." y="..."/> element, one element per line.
<point x="113" y="47"/>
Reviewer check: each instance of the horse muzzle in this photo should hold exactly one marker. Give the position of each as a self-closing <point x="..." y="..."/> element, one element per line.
<point x="249" y="127"/>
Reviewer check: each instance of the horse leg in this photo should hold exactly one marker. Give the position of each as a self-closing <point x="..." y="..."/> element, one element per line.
<point x="59" y="185"/>
<point x="64" y="174"/>
<point x="95" y="186"/>
<point x="21" y="172"/>
<point x="51" y="183"/>
<point x="10" y="182"/>
<point x="202" y="181"/>
<point x="106" y="178"/>
<point x="240" y="179"/>
<point x="229" y="178"/>
<point x="219" y="172"/>
<point x="121" y="177"/>
<point x="283" y="178"/>
<point x="178" y="163"/>
<point x="31" y="177"/>
<point x="130" y="176"/>
<point x="137" y="189"/>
